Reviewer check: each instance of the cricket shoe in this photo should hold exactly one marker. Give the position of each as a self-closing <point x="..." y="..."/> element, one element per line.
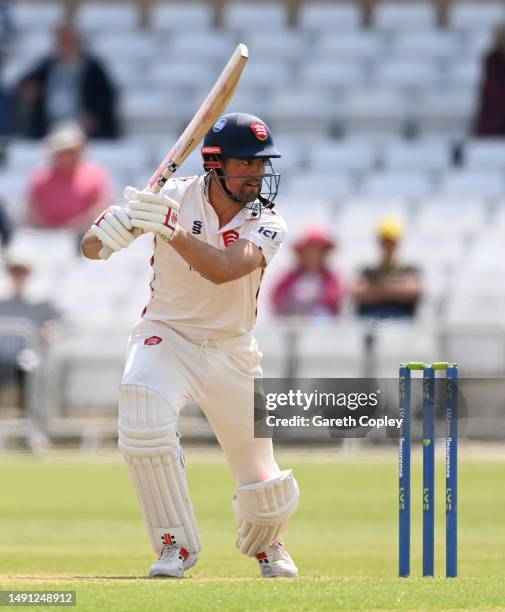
<point x="275" y="562"/>
<point x="172" y="562"/>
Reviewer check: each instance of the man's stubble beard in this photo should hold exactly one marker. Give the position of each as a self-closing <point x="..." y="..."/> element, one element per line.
<point x="248" y="197"/>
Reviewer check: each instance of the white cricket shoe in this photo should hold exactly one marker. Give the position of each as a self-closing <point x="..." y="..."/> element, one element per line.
<point x="172" y="562"/>
<point x="275" y="562"/>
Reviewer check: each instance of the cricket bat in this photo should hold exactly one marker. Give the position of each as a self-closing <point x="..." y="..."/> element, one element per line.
<point x="208" y="113"/>
<point x="210" y="110"/>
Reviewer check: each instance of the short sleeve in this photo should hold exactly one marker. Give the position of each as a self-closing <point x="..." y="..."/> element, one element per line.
<point x="267" y="233"/>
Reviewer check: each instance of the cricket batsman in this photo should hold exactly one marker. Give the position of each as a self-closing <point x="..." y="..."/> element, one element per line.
<point x="214" y="235"/>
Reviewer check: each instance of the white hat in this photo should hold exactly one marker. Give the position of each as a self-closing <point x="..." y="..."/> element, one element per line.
<point x="68" y="135"/>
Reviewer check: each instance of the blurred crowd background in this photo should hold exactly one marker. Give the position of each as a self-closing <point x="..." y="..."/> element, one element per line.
<point x="390" y="116"/>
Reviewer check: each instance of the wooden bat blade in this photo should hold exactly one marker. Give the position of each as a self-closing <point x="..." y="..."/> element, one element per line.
<point x="205" y="117"/>
<point x="211" y="108"/>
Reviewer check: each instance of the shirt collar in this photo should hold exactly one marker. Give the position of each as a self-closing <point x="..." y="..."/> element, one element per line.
<point x="243" y="215"/>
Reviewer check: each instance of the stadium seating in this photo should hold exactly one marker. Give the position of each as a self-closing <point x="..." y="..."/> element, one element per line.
<point x="186" y="80"/>
<point x="485" y="155"/>
<point x="476" y="43"/>
<point x="94" y="17"/>
<point x="332" y="77"/>
<point x="305" y="112"/>
<point x="123" y="159"/>
<point x="267" y="46"/>
<point x="268" y="75"/>
<point x="181" y="17"/>
<point x="355" y="156"/>
<point x="426" y="155"/>
<point x="394" y="16"/>
<point x="352" y="45"/>
<point x="392" y="337"/>
<point x="446" y="113"/>
<point x="319" y="17"/>
<point x="467" y="16"/>
<point x="252" y="17"/>
<point x="334" y="185"/>
<point x="411" y="184"/>
<point x="386" y="113"/>
<point x="464" y="183"/>
<point x="329" y="352"/>
<point x="425" y="44"/>
<point x="411" y="76"/>
<point x="23" y="155"/>
<point x="112" y="45"/>
<point x="368" y="119"/>
<point x="464" y="215"/>
<point x="41" y="16"/>
<point x="188" y="46"/>
<point x="254" y="100"/>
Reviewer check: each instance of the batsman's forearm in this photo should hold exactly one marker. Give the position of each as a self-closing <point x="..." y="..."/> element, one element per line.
<point x="209" y="262"/>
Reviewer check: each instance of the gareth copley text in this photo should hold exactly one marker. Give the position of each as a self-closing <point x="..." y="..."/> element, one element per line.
<point x="320" y="421"/>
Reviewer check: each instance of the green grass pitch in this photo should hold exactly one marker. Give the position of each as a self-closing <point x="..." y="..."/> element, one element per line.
<point x="71" y="522"/>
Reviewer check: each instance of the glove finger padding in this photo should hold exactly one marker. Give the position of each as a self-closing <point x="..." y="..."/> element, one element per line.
<point x="136" y="205"/>
<point x="118" y="230"/>
<point x="122" y="216"/>
<point x="147" y="226"/>
<point x="148" y="197"/>
<point x="153" y="212"/>
<point x="104" y="238"/>
<point x="114" y="229"/>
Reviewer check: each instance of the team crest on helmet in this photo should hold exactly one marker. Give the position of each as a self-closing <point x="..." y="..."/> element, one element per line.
<point x="219" y="125"/>
<point x="260" y="130"/>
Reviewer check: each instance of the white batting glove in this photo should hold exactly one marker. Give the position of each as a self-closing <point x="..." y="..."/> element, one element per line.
<point x="153" y="212"/>
<point x="114" y="230"/>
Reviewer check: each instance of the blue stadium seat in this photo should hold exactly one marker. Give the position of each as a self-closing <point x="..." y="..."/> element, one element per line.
<point x="319" y="17"/>
<point x="432" y="155"/>
<point x="181" y="17"/>
<point x="400" y="16"/>
<point x="107" y="17"/>
<point x="43" y="16"/>
<point x="253" y="17"/>
<point x="467" y="16"/>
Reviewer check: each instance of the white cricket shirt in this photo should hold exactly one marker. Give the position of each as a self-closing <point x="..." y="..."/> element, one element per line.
<point x="186" y="301"/>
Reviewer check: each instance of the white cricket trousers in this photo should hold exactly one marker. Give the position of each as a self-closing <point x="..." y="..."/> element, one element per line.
<point x="216" y="374"/>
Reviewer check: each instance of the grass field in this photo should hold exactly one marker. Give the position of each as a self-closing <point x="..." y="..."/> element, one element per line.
<point x="72" y="523"/>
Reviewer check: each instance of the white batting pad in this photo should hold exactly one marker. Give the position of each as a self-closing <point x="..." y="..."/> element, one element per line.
<point x="149" y="441"/>
<point x="262" y="511"/>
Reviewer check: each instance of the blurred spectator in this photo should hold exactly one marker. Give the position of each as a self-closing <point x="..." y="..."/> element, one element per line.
<point x="6" y="26"/>
<point x="6" y="104"/>
<point x="491" y="114"/>
<point x="21" y="354"/>
<point x="390" y="289"/>
<point x="311" y="288"/>
<point x="69" y="84"/>
<point x="5" y="226"/>
<point x="69" y="192"/>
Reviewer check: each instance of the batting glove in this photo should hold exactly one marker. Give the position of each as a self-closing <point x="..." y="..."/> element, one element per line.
<point x="114" y="230"/>
<point x="153" y="212"/>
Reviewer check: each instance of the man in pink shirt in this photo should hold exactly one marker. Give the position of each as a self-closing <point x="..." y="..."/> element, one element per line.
<point x="311" y="288"/>
<point x="69" y="192"/>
